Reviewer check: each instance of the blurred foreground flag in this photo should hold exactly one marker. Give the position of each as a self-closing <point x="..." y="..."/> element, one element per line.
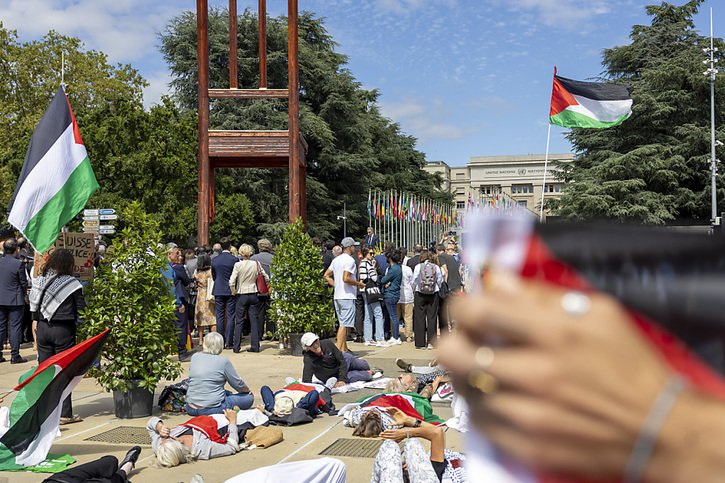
<point x="35" y="411"/>
<point x="589" y="104"/>
<point x="56" y="180"/>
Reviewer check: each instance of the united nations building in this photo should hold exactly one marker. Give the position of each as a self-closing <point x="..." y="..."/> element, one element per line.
<point x="519" y="177"/>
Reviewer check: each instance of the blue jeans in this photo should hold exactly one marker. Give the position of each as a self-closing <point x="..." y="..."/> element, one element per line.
<point x="11" y="320"/>
<point x="241" y="400"/>
<point x="308" y="403"/>
<point x="357" y="369"/>
<point x="373" y="310"/>
<point x="392" y="306"/>
<point x="225" y="305"/>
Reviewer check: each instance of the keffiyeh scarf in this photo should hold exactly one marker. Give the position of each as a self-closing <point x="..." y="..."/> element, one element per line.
<point x="57" y="288"/>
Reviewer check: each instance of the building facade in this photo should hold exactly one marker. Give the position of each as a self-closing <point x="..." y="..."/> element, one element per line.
<point x="520" y="177"/>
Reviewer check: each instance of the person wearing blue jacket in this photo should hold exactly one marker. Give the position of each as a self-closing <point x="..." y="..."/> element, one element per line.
<point x="391" y="283"/>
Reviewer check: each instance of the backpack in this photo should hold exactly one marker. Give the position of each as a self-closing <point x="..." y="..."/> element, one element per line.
<point x="427" y="278"/>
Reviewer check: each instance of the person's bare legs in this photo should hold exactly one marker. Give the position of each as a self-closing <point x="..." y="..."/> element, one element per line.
<point x="342" y="339"/>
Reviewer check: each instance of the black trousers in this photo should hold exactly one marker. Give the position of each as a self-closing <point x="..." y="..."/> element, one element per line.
<point x="182" y="328"/>
<point x="53" y="338"/>
<point x="11" y="323"/>
<point x="425" y="318"/>
<point x="359" y="315"/>
<point x="248" y="302"/>
<point x="104" y="470"/>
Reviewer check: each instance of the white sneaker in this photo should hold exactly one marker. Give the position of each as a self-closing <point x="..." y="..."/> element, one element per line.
<point x="397" y="341"/>
<point x="381" y="343"/>
<point x="377" y="375"/>
<point x="330" y="383"/>
<point x="370" y="342"/>
<point x="430" y="347"/>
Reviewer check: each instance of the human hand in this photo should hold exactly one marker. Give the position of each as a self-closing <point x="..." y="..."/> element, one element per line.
<point x="231" y="416"/>
<point x="566" y="397"/>
<point x="396" y="435"/>
<point x="163" y="431"/>
<point x="399" y="417"/>
<point x="340" y="383"/>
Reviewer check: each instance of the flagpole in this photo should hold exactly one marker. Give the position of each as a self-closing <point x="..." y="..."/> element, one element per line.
<point x="543" y="183"/>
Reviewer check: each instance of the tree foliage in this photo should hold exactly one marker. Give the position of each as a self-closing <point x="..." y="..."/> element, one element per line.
<point x="130" y="295"/>
<point x="352" y="147"/>
<point x="654" y="167"/>
<point x="301" y="299"/>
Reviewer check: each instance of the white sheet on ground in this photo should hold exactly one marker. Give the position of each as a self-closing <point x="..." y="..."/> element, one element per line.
<point x="323" y="470"/>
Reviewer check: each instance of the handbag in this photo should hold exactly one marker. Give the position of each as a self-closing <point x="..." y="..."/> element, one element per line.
<point x="262" y="287"/>
<point x="444" y="291"/>
<point x="209" y="289"/>
<point x="372" y="291"/>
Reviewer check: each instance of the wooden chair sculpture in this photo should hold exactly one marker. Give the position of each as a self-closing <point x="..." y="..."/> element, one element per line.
<point x="249" y="149"/>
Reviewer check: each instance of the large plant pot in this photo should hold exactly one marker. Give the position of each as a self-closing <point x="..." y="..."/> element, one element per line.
<point x="295" y="342"/>
<point x="137" y="402"/>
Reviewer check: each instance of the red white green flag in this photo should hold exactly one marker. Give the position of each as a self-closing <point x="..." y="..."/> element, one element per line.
<point x="589" y="104"/>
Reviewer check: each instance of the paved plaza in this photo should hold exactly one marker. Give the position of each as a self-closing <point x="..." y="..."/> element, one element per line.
<point x="269" y="367"/>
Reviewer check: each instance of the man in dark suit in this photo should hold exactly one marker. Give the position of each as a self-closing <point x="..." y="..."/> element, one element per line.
<point x="13" y="285"/>
<point x="372" y="240"/>
<point x="221" y="270"/>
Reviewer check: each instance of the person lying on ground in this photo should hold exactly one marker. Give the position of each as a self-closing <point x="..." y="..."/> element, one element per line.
<point x="198" y="439"/>
<point x="426" y="384"/>
<point x="280" y="403"/>
<point x="103" y="470"/>
<point x="327" y="470"/>
<point x="369" y="416"/>
<point x="325" y="364"/>
<point x="208" y="373"/>
<point x="419" y="467"/>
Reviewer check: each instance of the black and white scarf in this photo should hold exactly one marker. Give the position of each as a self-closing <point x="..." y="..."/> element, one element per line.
<point x="57" y="288"/>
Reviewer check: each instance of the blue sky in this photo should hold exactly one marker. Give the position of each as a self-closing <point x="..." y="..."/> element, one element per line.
<point x="465" y="77"/>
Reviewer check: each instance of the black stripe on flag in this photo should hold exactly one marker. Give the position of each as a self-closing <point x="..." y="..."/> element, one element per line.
<point x="55" y="121"/>
<point x="596" y="91"/>
<point x="27" y="428"/>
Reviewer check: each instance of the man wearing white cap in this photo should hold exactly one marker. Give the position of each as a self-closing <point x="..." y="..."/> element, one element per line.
<point x="342" y="275"/>
<point x="325" y="364"/>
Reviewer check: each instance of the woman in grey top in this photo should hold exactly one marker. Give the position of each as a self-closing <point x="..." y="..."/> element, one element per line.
<point x="183" y="444"/>
<point x="208" y="373"/>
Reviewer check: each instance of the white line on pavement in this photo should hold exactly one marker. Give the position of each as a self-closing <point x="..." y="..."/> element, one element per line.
<point x="83" y="432"/>
<point x="309" y="442"/>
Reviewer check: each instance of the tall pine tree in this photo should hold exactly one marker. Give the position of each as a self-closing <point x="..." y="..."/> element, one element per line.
<point x="653" y="168"/>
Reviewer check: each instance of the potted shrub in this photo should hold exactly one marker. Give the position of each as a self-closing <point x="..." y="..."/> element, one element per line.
<point x="130" y="295"/>
<point x="301" y="301"/>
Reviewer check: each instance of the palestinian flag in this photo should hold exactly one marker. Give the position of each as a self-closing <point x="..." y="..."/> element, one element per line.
<point x="412" y="404"/>
<point x="35" y="411"/>
<point x="56" y="180"/>
<point x="589" y="104"/>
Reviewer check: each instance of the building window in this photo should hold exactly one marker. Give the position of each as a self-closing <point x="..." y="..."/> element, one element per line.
<point x="460" y="175"/>
<point x="553" y="188"/>
<point x="523" y="203"/>
<point x="461" y="190"/>
<point x="461" y="205"/>
<point x="522" y="189"/>
<point x="491" y="189"/>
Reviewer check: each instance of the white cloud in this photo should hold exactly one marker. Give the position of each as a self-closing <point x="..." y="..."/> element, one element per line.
<point x="566" y="14"/>
<point x="407" y="6"/>
<point x="425" y="122"/>
<point x="158" y="86"/>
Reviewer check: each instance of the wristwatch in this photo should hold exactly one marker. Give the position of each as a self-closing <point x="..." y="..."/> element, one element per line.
<point x="417" y="423"/>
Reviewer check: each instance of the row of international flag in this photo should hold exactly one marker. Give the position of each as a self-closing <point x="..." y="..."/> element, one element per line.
<point x="401" y="206"/>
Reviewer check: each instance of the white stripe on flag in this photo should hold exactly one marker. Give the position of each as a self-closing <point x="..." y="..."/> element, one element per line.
<point x="47" y="178"/>
<point x="604" y="111"/>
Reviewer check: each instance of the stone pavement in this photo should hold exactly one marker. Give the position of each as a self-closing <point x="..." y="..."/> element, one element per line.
<point x="269" y="367"/>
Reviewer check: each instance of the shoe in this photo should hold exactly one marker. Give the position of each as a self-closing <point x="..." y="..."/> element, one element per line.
<point x="330" y="383"/>
<point x="252" y="350"/>
<point x="71" y="420"/>
<point x="377" y="375"/>
<point x="131" y="457"/>
<point x="367" y="342"/>
<point x="185" y="356"/>
<point x="430" y="347"/>
<point x="394" y="341"/>
<point x="2" y="359"/>
<point x="376" y="370"/>
<point x="228" y="347"/>
<point x="18" y="360"/>
<point x="381" y="343"/>
<point x="403" y="365"/>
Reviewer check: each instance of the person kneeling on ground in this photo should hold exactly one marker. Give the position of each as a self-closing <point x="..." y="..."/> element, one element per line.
<point x="198" y="439"/>
<point x="325" y="364"/>
<point x="208" y="373"/>
<point x="103" y="470"/>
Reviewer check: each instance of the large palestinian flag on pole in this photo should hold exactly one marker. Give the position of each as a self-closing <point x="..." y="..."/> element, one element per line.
<point x="35" y="411"/>
<point x="589" y="104"/>
<point x="56" y="180"/>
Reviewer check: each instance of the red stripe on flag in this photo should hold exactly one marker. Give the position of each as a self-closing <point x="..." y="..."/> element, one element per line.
<point x="64" y="358"/>
<point x="560" y="98"/>
<point x="76" y="131"/>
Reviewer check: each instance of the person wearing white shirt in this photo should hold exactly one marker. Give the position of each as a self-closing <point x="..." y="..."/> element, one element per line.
<point x="405" y="303"/>
<point x="342" y="276"/>
<point x="427" y="280"/>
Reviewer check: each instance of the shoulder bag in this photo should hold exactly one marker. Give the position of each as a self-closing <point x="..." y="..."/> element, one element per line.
<point x="262" y="287"/>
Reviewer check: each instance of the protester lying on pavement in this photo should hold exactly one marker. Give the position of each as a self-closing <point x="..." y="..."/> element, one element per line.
<point x="200" y="438"/>
<point x="325" y="364"/>
<point x="419" y="467"/>
<point x="208" y="373"/>
<point x="103" y="470"/>
<point x="328" y="470"/>
<point x="302" y="396"/>
<point x="369" y="415"/>
<point x="425" y="385"/>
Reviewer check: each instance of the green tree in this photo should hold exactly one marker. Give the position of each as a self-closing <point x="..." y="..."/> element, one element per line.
<point x="301" y="301"/>
<point x="131" y="296"/>
<point x="655" y="166"/>
<point x="352" y="147"/>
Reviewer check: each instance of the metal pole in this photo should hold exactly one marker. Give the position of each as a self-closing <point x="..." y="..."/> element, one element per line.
<point x="543" y="182"/>
<point x="344" y="219"/>
<point x="713" y="161"/>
